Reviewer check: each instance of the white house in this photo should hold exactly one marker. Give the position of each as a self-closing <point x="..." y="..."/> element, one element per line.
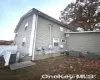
<point x="40" y="36"/>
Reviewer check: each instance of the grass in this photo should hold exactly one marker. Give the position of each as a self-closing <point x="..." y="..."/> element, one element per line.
<point x="52" y="66"/>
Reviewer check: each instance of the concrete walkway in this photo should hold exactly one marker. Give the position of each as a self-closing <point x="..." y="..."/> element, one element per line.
<point x="21" y="65"/>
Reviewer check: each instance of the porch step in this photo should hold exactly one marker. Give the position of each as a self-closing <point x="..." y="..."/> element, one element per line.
<point x="21" y="65"/>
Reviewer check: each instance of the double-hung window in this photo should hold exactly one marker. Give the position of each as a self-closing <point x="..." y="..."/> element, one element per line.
<point x="23" y="41"/>
<point x="55" y="42"/>
<point x="26" y="25"/>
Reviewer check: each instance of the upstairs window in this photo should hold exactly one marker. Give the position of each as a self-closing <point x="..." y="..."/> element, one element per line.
<point x="61" y="29"/>
<point x="24" y="41"/>
<point x="26" y="25"/>
<point x="55" y="42"/>
<point x="16" y="34"/>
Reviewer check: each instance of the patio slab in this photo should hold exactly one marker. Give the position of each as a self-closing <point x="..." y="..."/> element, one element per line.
<point x="21" y="65"/>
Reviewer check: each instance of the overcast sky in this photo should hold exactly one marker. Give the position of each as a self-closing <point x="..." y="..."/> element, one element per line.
<point x="12" y="10"/>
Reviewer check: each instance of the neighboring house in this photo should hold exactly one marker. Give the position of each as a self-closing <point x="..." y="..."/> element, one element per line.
<point x="8" y="52"/>
<point x="3" y="42"/>
<point x="38" y="34"/>
<point x="84" y="41"/>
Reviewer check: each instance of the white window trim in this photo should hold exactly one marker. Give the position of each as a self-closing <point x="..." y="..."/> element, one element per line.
<point x="16" y="34"/>
<point x="61" y="29"/>
<point x="24" y="39"/>
<point x="54" y="41"/>
<point x="26" y="25"/>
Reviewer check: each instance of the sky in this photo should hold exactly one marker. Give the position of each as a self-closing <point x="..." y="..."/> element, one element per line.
<point x="12" y="10"/>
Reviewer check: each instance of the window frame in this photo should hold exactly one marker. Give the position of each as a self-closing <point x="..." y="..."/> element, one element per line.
<point x="16" y="34"/>
<point x="26" y="25"/>
<point x="55" y="41"/>
<point x="23" y="41"/>
<point x="61" y="29"/>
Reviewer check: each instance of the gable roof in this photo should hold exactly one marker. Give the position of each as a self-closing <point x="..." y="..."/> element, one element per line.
<point x="33" y="10"/>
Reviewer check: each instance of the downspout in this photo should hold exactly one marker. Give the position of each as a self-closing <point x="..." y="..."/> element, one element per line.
<point x="50" y="38"/>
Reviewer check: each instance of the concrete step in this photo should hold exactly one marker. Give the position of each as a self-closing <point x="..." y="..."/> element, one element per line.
<point x="21" y="65"/>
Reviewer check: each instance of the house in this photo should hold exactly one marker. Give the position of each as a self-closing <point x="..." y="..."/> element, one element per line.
<point x="40" y="36"/>
<point x="85" y="41"/>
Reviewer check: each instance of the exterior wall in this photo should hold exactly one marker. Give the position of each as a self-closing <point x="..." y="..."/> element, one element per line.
<point x="84" y="42"/>
<point x="43" y="36"/>
<point x="24" y="33"/>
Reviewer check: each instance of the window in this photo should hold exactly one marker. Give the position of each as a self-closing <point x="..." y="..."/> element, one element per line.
<point x="23" y="41"/>
<point x="16" y="34"/>
<point x="63" y="40"/>
<point x="55" y="42"/>
<point x="61" y="46"/>
<point x="26" y="25"/>
<point x="67" y="35"/>
<point x="61" y="28"/>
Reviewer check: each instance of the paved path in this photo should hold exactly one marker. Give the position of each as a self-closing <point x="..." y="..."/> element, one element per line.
<point x="21" y="65"/>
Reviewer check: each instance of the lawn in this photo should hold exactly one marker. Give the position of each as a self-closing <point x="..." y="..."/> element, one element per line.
<point x="52" y="66"/>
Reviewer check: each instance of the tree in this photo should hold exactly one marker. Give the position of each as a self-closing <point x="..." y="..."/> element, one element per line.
<point x="82" y="13"/>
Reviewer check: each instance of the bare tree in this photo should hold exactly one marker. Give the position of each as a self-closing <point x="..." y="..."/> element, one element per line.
<point x="82" y="13"/>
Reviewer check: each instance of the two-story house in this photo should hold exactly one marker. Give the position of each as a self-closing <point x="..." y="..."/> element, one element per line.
<point x="40" y="36"/>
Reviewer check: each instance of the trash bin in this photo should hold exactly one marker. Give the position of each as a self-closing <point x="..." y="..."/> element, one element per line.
<point x="12" y="59"/>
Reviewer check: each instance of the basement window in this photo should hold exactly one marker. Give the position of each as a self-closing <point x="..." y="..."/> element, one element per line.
<point x="55" y="42"/>
<point x="61" y="29"/>
<point x="26" y="25"/>
<point x="23" y="41"/>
